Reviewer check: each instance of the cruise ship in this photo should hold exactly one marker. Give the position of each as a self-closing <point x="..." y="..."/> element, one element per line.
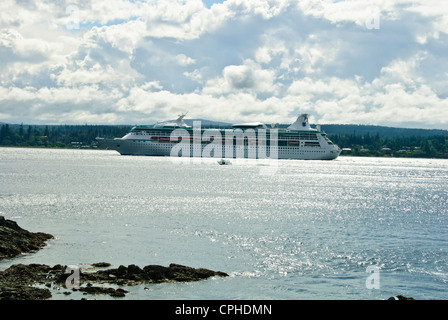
<point x="245" y="140"/>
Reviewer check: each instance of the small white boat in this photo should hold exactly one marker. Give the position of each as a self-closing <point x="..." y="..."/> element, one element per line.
<point x="223" y="162"/>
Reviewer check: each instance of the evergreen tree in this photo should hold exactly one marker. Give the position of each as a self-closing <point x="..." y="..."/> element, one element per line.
<point x="28" y="133"/>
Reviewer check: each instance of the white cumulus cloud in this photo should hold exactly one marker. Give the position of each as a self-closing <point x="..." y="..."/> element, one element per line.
<point x="123" y="61"/>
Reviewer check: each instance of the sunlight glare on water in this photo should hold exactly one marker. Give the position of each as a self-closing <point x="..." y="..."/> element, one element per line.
<point x="308" y="231"/>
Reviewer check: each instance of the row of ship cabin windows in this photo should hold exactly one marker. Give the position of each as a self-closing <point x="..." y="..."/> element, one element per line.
<point x="280" y="143"/>
<point x="301" y="136"/>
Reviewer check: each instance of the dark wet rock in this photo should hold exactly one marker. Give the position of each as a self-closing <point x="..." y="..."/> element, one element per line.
<point x="400" y="297"/>
<point x="17" y="281"/>
<point x="152" y="273"/>
<point x="95" y="290"/>
<point x="14" y="240"/>
<point x="32" y="273"/>
<point x="184" y="273"/>
<point x="101" y="264"/>
<point x="24" y="293"/>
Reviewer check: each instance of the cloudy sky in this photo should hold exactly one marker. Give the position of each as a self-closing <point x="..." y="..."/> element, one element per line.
<point x="135" y="62"/>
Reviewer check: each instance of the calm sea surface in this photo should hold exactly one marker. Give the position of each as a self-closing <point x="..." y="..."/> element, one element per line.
<point x="309" y="230"/>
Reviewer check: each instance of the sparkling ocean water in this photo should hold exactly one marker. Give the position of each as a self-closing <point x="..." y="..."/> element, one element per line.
<point x="310" y="230"/>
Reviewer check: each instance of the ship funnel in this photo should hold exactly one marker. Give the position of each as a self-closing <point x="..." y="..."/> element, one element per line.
<point x="301" y="123"/>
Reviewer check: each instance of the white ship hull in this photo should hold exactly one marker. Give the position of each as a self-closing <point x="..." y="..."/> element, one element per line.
<point x="148" y="148"/>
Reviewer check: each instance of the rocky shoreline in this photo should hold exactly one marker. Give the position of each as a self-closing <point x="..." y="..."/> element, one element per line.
<point x="15" y="241"/>
<point x="34" y="281"/>
<point x="39" y="281"/>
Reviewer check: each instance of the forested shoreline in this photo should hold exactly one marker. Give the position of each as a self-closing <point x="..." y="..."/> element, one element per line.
<point x="58" y="136"/>
<point x="424" y="145"/>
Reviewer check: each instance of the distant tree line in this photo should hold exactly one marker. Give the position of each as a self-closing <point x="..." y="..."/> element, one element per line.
<point x="58" y="136"/>
<point x="356" y="144"/>
<point x="374" y="145"/>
